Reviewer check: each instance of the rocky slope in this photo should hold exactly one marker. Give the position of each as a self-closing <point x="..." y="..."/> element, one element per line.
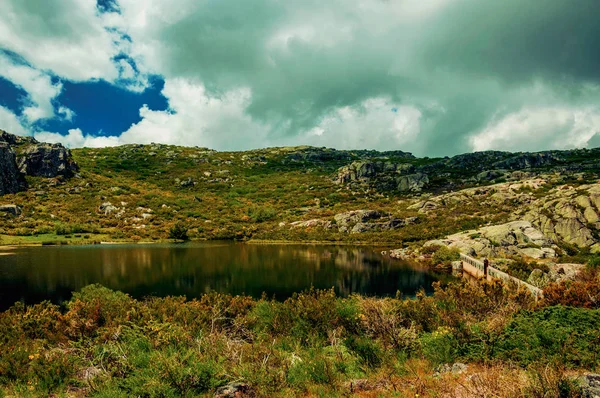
<point x="461" y="171"/>
<point x="25" y="156"/>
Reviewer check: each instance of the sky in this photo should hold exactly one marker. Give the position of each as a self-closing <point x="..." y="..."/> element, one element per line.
<point x="432" y="77"/>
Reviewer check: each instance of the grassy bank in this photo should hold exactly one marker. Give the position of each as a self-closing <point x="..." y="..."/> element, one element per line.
<point x="105" y="344"/>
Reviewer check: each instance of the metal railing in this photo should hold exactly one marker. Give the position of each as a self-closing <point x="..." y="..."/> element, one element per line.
<point x="496" y="273"/>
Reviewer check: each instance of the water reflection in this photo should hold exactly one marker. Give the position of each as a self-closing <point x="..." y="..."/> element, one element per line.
<point x="38" y="273"/>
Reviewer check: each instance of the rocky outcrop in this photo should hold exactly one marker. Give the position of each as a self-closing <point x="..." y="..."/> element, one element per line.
<point x="513" y="238"/>
<point x="382" y="175"/>
<point x="47" y="160"/>
<point x="569" y="215"/>
<point x="16" y="140"/>
<point x="20" y="156"/>
<point x="11" y="179"/>
<point x="452" y="173"/>
<point x="356" y="222"/>
<point x="529" y="161"/>
<point x="359" y="221"/>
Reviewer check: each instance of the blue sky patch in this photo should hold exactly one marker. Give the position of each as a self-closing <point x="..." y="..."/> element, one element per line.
<point x="102" y="107"/>
<point x="12" y="97"/>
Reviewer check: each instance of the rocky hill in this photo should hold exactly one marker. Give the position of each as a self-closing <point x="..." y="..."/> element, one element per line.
<point x="139" y="192"/>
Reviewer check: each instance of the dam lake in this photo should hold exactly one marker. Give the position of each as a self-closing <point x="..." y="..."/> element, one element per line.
<point x="34" y="274"/>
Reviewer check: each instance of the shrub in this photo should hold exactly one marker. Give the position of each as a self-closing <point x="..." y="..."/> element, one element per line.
<point x="570" y="336"/>
<point x="439" y="346"/>
<point x="445" y="255"/>
<point x="179" y="232"/>
<point x="262" y="214"/>
<point x="521" y="269"/>
<point x="584" y="292"/>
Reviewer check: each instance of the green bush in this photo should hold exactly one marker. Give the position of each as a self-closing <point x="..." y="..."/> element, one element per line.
<point x="568" y="335"/>
<point x="262" y="214"/>
<point x="179" y="232"/>
<point x="445" y="255"/>
<point x="439" y="346"/>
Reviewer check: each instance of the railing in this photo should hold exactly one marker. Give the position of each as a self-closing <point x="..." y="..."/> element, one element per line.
<point x="496" y="273"/>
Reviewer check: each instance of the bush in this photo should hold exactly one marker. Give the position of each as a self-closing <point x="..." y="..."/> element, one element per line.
<point x="445" y="255"/>
<point x="570" y="336"/>
<point x="584" y="292"/>
<point x="521" y="269"/>
<point x="262" y="214"/>
<point x="178" y="232"/>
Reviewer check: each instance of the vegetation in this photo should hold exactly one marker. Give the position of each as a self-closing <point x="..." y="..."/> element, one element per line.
<point x="178" y="232"/>
<point x="105" y="344"/>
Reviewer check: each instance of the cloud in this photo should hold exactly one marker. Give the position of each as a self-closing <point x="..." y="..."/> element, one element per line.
<point x="39" y="86"/>
<point x="76" y="139"/>
<point x="9" y="122"/>
<point x="67" y="37"/>
<point x="376" y="123"/>
<point x="556" y="127"/>
<point x="197" y="118"/>
<point x="462" y="74"/>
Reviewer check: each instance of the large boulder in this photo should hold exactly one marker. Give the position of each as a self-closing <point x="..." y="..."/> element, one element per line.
<point x="47" y="160"/>
<point x="11" y="179"/>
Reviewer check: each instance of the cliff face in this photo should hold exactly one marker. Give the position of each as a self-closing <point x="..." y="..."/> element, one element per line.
<point x="21" y="156"/>
<point x="11" y="179"/>
<point x="47" y="160"/>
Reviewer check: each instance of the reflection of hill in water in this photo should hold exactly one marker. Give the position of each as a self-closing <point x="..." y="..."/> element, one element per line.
<point x="194" y="269"/>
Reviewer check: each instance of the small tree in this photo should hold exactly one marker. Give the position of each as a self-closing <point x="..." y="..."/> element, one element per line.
<point x="179" y="232"/>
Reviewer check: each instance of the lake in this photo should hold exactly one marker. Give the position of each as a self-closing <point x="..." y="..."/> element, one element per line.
<point x="33" y="274"/>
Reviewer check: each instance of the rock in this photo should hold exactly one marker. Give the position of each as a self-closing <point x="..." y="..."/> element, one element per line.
<point x="13" y="210"/>
<point x="310" y="224"/>
<point x="107" y="208"/>
<point x="345" y="221"/>
<point x="47" y="160"/>
<point x="235" y="390"/>
<point x="413" y="182"/>
<point x="187" y="183"/>
<point x="16" y="140"/>
<point x="537" y="254"/>
<point x="424" y="206"/>
<point x="489" y="175"/>
<point x="11" y="178"/>
<point x="528" y="161"/>
<point x="512" y="238"/>
<point x="459" y="368"/>
<point x="590" y="385"/>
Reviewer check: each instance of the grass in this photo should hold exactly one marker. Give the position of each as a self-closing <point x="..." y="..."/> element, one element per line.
<point x="103" y="343"/>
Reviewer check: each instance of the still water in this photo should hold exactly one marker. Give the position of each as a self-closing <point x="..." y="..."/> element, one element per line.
<point x="33" y="274"/>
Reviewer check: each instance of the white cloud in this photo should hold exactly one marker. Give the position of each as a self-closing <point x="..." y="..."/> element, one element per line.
<point x="38" y="86"/>
<point x="67" y="37"/>
<point x="66" y="113"/>
<point x="76" y="139"/>
<point x="198" y="118"/>
<point x="10" y="123"/>
<point x="376" y="123"/>
<point x="534" y="128"/>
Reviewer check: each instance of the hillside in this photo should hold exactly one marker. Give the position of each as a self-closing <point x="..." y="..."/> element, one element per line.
<point x="139" y="192"/>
